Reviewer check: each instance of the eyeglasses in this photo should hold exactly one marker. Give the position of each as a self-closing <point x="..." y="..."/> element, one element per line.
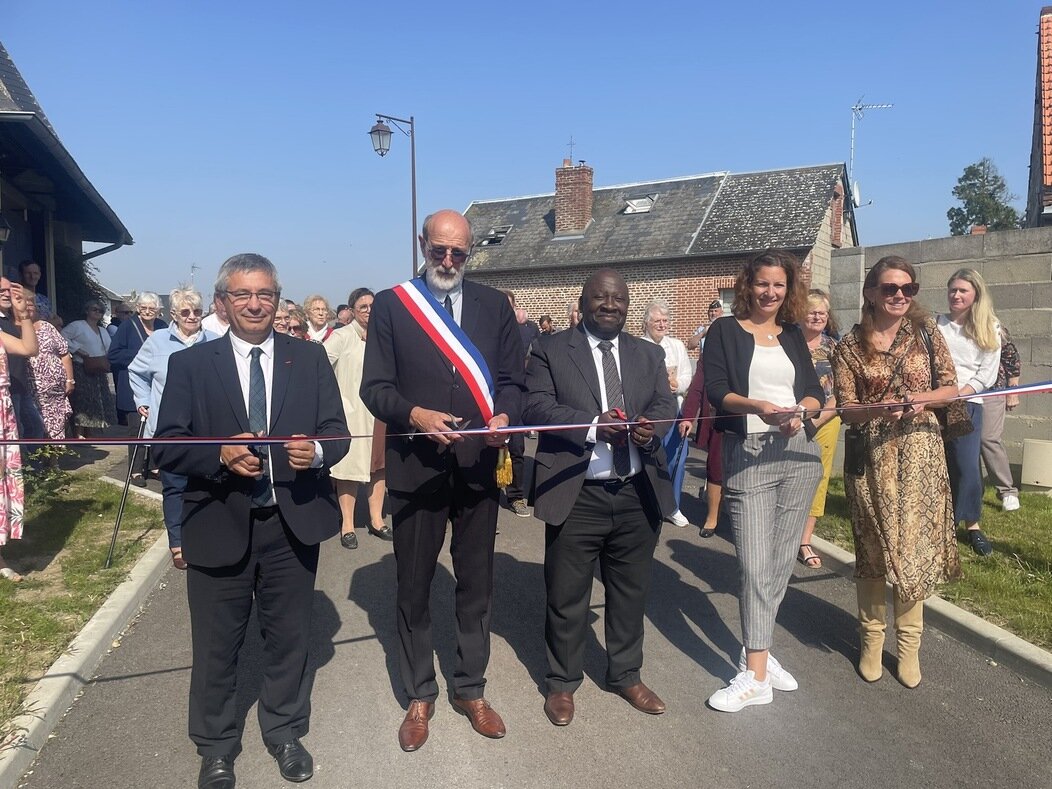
<point x="281" y="319"/>
<point x="364" y="308"/>
<point x="186" y="313"/>
<point x="242" y="297"/>
<point x="438" y="254"/>
<point x="889" y="289"/>
<point x="296" y="327"/>
<point x="147" y="309"/>
<point x="820" y="313"/>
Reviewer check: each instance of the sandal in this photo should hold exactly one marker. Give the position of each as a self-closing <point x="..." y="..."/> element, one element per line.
<point x="9" y="574"/>
<point x="807" y="557"/>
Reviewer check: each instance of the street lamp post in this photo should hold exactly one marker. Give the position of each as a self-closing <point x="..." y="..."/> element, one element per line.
<point x="381" y="137"/>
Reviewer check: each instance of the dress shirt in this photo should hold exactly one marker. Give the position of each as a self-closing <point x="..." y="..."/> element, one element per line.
<point x="212" y="323"/>
<point x="455" y="296"/>
<point x="975" y="367"/>
<point x="601" y="463"/>
<point x="243" y="360"/>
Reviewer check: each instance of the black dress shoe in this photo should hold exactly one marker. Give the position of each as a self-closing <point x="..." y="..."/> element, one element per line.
<point x="294" y="762"/>
<point x="384" y="532"/>
<point x="217" y="772"/>
<point x="349" y="540"/>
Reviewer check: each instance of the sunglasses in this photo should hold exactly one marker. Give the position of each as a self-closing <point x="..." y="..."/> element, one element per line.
<point x="296" y="326"/>
<point x="889" y="289"/>
<point x="186" y="313"/>
<point x="438" y="254"/>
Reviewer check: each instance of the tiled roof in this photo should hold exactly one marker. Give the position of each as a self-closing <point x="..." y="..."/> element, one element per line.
<point x="15" y="95"/>
<point x="714" y="214"/>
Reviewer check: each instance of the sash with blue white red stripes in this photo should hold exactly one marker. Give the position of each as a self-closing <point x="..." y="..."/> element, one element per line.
<point x="450" y="340"/>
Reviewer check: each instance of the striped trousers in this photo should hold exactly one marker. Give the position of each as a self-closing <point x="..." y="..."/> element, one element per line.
<point x="769" y="482"/>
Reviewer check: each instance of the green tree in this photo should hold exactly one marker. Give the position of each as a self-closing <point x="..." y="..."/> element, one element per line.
<point x="984" y="194"/>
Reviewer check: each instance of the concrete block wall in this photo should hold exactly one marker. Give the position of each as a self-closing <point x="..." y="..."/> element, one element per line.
<point x="1017" y="264"/>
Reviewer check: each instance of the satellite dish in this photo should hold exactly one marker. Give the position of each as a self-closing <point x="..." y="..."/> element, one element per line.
<point x="856" y="194"/>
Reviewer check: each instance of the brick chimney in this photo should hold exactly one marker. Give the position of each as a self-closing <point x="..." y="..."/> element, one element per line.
<point x="573" y="198"/>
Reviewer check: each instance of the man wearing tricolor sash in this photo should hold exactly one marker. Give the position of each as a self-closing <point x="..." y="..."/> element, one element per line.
<point x="443" y="354"/>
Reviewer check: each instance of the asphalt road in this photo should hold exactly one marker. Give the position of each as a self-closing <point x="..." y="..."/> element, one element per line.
<point x="970" y="723"/>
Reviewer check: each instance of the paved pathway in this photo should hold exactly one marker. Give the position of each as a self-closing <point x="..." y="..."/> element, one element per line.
<point x="970" y="723"/>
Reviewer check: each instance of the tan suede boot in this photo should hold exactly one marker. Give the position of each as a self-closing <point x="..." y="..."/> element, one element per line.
<point x="909" y="624"/>
<point x="872" y="622"/>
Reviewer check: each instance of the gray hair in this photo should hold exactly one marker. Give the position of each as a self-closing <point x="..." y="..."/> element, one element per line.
<point x="148" y="299"/>
<point x="94" y="303"/>
<point x="245" y="263"/>
<point x="184" y="297"/>
<point x="657" y="305"/>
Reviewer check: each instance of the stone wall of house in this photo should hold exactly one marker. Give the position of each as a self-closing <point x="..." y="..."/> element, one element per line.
<point x="1016" y="264"/>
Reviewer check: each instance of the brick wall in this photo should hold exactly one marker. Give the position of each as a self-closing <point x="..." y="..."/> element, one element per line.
<point x="688" y="286"/>
<point x="1017" y="266"/>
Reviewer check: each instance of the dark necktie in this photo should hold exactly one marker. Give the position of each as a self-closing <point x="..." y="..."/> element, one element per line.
<point x="615" y="398"/>
<point x="262" y="491"/>
<point x="448" y="304"/>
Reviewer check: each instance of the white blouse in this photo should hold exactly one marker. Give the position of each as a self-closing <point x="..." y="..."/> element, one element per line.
<point x="975" y="367"/>
<point x="86" y="341"/>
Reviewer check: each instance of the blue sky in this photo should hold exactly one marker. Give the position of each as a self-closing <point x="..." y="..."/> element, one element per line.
<point x="212" y="130"/>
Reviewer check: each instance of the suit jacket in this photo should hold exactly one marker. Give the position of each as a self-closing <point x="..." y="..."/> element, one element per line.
<point x="202" y="397"/>
<point x="563" y="388"/>
<point x="403" y="369"/>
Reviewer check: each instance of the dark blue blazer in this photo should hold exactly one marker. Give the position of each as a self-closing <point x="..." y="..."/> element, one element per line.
<point x="202" y="397"/>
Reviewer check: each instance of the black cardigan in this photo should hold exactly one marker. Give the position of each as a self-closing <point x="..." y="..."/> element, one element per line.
<point x="727" y="358"/>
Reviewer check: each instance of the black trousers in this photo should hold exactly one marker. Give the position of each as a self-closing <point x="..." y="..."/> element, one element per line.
<point x="419" y="522"/>
<point x="278" y="572"/>
<point x="517" y="451"/>
<point x="618" y="525"/>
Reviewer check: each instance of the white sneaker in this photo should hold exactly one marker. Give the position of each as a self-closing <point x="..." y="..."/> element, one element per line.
<point x="1010" y="503"/>
<point x="744" y="691"/>
<point x="677" y="518"/>
<point x="779" y="678"/>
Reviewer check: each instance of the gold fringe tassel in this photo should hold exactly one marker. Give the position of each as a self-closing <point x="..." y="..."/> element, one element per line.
<point x="503" y="468"/>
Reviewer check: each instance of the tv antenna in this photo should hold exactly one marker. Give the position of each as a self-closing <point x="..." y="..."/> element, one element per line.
<point x="858" y="111"/>
<point x="193" y="268"/>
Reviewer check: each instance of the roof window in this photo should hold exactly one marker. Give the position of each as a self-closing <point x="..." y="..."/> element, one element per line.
<point x="496" y="235"/>
<point x="639" y="204"/>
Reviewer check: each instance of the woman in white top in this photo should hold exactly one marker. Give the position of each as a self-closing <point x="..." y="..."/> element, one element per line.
<point x="363" y="466"/>
<point x="94" y="408"/>
<point x="657" y="321"/>
<point x="319" y="313"/>
<point x="974" y="338"/>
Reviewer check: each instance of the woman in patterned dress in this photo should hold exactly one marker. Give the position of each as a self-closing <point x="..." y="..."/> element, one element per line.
<point x="52" y="370"/>
<point x="12" y="496"/>
<point x="901" y="512"/>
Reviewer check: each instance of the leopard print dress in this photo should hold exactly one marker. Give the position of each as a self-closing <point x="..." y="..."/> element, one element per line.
<point x="901" y="510"/>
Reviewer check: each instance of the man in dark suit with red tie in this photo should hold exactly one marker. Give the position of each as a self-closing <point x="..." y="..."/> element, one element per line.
<point x="443" y="353"/>
<point x="602" y="489"/>
<point x="253" y="516"/>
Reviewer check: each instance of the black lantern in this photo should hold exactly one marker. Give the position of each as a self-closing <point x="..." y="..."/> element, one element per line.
<point x="5" y="230"/>
<point x="381" y="136"/>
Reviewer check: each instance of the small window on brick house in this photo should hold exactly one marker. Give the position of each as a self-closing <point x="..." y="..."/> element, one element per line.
<point x="496" y="235"/>
<point x="639" y="204"/>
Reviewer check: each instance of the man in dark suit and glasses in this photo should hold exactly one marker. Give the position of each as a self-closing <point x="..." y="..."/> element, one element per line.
<point x="253" y="517"/>
<point x="602" y="490"/>
<point x="411" y="385"/>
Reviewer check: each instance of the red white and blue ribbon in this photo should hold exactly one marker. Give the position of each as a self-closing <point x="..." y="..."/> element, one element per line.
<point x="450" y="340"/>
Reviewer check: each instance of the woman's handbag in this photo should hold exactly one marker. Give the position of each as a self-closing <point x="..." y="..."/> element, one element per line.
<point x="854" y="451"/>
<point x="96" y="365"/>
<point x="953" y="419"/>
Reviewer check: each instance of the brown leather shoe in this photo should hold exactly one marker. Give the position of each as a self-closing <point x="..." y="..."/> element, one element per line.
<point x="412" y="734"/>
<point x="484" y="719"/>
<point x="642" y="698"/>
<point x="558" y="707"/>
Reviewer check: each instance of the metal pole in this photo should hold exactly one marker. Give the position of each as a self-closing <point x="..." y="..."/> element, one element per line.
<point x="124" y="495"/>
<point x="412" y="155"/>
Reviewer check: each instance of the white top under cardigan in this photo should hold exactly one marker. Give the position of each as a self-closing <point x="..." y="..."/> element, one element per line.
<point x="975" y="367"/>
<point x="771" y="377"/>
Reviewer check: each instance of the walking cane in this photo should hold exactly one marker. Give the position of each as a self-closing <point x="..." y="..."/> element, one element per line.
<point x="124" y="495"/>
